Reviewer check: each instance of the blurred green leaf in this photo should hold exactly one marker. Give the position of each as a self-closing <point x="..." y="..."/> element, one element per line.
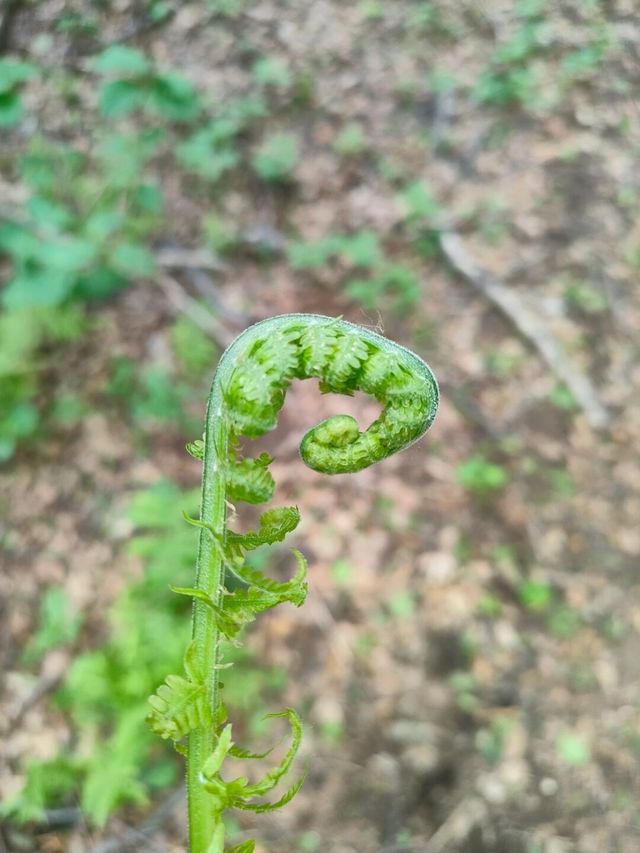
<point x="59" y="624"/>
<point x="133" y="259"/>
<point x="536" y="595"/>
<point x="480" y="475"/>
<point x="572" y="749"/>
<point x="205" y="155"/>
<point x="37" y="287"/>
<point x="11" y="109"/>
<point x="119" y="58"/>
<point x="173" y="97"/>
<point x="418" y="202"/>
<point x="277" y="157"/>
<point x="49" y="214"/>
<point x="13" y="72"/>
<point x="195" y="349"/>
<point x="362" y="249"/>
<point x="312" y="254"/>
<point x="350" y="141"/>
<point x="120" y="97"/>
<point x="271" y="71"/>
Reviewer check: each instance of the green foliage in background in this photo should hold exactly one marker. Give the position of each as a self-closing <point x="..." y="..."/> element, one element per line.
<point x="384" y="282"/>
<point x="135" y="83"/>
<point x="13" y="74"/>
<point x="276" y="158"/>
<point x="23" y="332"/>
<point x="481" y="476"/>
<point x="213" y="148"/>
<point x="59" y="624"/>
<point x="85" y="225"/>
<point x="118" y="760"/>
<point x="81" y="236"/>
<point x="511" y="76"/>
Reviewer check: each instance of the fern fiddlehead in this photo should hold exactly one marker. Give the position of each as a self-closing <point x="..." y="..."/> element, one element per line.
<point x="247" y="394"/>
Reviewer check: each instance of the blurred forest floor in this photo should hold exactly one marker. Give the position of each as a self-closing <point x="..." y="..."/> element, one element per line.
<point x="463" y="176"/>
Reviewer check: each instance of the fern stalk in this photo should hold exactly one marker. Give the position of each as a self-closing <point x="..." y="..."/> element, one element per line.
<point x="205" y="634"/>
<point x="247" y="393"/>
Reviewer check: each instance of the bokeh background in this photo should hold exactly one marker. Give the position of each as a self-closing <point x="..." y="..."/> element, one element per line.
<point x="460" y="175"/>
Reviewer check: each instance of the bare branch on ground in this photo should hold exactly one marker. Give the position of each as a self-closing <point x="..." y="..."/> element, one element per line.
<point x="181" y="300"/>
<point x="457" y="828"/>
<point x="530" y="326"/>
<point x="141" y="838"/>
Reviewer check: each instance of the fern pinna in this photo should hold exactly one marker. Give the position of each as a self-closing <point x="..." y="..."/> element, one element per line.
<point x="247" y="393"/>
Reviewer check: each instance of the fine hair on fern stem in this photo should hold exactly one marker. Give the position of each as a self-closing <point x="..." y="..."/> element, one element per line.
<point x="247" y="394"/>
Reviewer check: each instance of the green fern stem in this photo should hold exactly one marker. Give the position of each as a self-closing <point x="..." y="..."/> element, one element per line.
<point x="247" y="394"/>
<point x="205" y="634"/>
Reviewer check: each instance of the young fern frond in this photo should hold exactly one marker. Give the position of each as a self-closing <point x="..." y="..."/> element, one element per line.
<point x="180" y="704"/>
<point x="249" y="480"/>
<point x="247" y="394"/>
<point x="238" y="793"/>
<point x="274" y="525"/>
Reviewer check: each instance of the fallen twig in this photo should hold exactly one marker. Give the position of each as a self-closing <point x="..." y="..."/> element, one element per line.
<point x="530" y="326"/>
<point x="173" y="257"/>
<point x="181" y="300"/>
<point x="469" y="409"/>
<point x="140" y="838"/>
<point x="457" y="828"/>
<point x="50" y="678"/>
<point x="201" y="281"/>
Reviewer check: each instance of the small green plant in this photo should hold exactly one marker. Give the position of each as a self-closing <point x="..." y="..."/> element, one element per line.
<point x="427" y="17"/>
<point x="584" y="297"/>
<point x="419" y="204"/>
<point x="23" y="331"/>
<point x="562" y="398"/>
<point x="153" y="394"/>
<point x="59" y="624"/>
<point x="510" y="78"/>
<point x="490" y="741"/>
<point x="463" y="685"/>
<point x="361" y="251"/>
<point x="573" y="749"/>
<point x="351" y="140"/>
<point x="194" y="349"/>
<point x="270" y="71"/>
<point x="219" y="234"/>
<point x="480" y="476"/>
<point x="489" y="606"/>
<point x="210" y="151"/>
<point x="247" y="394"/>
<point x="313" y="254"/>
<point x="226" y="8"/>
<point x="276" y="158"/>
<point x="137" y="84"/>
<point x="395" y="280"/>
<point x="371" y="10"/>
<point x="13" y="73"/>
<point x="536" y="595"/>
<point x="582" y="63"/>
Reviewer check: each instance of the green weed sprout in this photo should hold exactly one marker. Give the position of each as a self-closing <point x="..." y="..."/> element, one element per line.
<point x="247" y="393"/>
